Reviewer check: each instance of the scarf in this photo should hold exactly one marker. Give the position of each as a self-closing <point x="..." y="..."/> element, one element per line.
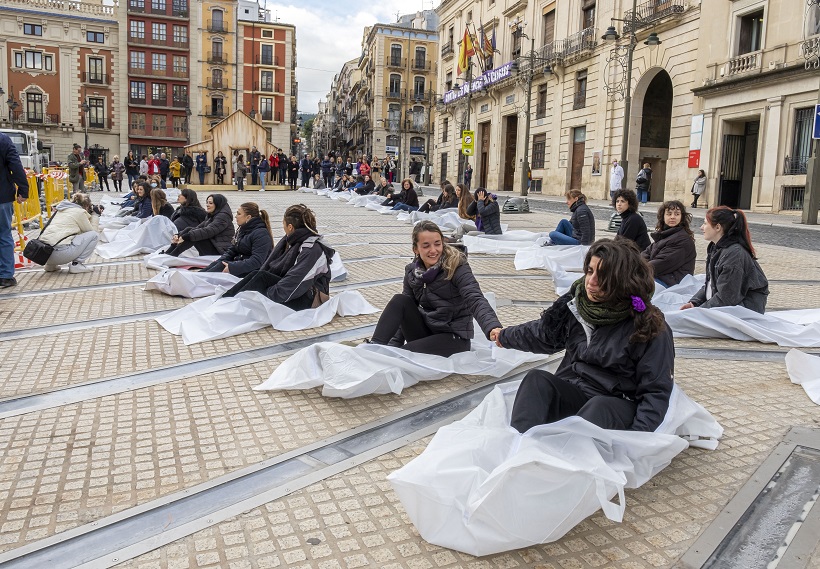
<point x="598" y="313"/>
<point x="426" y="275"/>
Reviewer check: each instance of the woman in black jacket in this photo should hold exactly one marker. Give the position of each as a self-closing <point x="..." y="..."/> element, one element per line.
<point x="672" y="255"/>
<point x="434" y="314"/>
<point x="488" y="214"/>
<point x="733" y="275"/>
<point x="189" y="213"/>
<point x="211" y="237"/>
<point x="132" y="168"/>
<point x="406" y="200"/>
<point x="446" y="200"/>
<point x="297" y="272"/>
<point x="618" y="368"/>
<point x="293" y="172"/>
<point x="160" y="205"/>
<point x="632" y="224"/>
<point x="580" y="229"/>
<point x="251" y="245"/>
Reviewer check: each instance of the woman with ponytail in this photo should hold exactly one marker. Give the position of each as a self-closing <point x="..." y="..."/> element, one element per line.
<point x="617" y="372"/>
<point x="251" y="245"/>
<point x="434" y="313"/>
<point x="297" y="272"/>
<point x="733" y="275"/>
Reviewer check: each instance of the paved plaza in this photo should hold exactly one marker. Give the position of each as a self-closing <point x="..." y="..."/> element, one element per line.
<point x="103" y="413"/>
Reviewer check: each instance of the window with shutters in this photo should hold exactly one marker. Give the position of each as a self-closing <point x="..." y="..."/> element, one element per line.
<point x="549" y="27"/>
<point x="541" y="102"/>
<point x="539" y="145"/>
<point x="588" y="14"/>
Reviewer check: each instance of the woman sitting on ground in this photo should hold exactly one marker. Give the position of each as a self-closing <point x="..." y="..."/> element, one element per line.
<point x="367" y="186"/>
<point x="488" y="214"/>
<point x="251" y="245"/>
<point x="672" y="255"/>
<point x="632" y="224"/>
<point x="318" y="182"/>
<point x="71" y="234"/>
<point x="446" y="200"/>
<point x="425" y="207"/>
<point x="580" y="229"/>
<point x="385" y="188"/>
<point x="211" y="237"/>
<point x="434" y="313"/>
<point x="142" y="205"/>
<point x="406" y="200"/>
<point x="617" y="372"/>
<point x="160" y="205"/>
<point x="189" y="213"/>
<point x="297" y="272"/>
<point x="733" y="275"/>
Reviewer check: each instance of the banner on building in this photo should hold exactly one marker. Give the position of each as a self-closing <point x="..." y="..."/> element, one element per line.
<point x="695" y="141"/>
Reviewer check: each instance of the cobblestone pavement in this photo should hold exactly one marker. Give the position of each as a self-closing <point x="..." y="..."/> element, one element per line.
<point x="70" y="464"/>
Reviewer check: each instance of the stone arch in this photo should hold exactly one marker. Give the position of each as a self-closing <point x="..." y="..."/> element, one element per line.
<point x="650" y="128"/>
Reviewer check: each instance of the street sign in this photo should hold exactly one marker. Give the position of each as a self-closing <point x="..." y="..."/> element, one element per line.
<point x="816" y="134"/>
<point x="468" y="142"/>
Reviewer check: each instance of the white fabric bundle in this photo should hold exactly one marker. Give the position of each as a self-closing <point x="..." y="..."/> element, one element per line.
<point x="564" y="262"/>
<point x="672" y="298"/>
<point x="804" y="370"/>
<point x="361" y="201"/>
<point x="482" y="488"/>
<point x="161" y="261"/>
<point x="147" y="236"/>
<point x="216" y="317"/>
<point x="505" y="244"/>
<point x="378" y="208"/>
<point x="447" y="219"/>
<point x="190" y="284"/>
<point x="343" y="371"/>
<point x="114" y="223"/>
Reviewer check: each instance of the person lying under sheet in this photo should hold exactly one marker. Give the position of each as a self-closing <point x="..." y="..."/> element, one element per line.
<point x="619" y="364"/>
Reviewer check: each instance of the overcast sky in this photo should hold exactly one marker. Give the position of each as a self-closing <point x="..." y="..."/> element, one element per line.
<point x="329" y="33"/>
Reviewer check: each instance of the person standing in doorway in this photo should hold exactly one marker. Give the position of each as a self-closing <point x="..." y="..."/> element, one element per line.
<point x="698" y="187"/>
<point x="201" y="164"/>
<point x="468" y="175"/>
<point x="643" y="183"/>
<point x="616" y="179"/>
<point x="255" y="157"/>
<point x="13" y="187"/>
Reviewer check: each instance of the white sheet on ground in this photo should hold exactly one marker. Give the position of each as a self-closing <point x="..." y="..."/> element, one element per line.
<point x="150" y="235"/>
<point x="344" y="371"/>
<point x="361" y="201"/>
<point x="564" y="262"/>
<point x="804" y="370"/>
<point x="672" y="298"/>
<point x="482" y="488"/>
<point x="114" y="223"/>
<point x="188" y="259"/>
<point x="216" y="317"/>
<point x="447" y="220"/>
<point x="505" y="244"/>
<point x="190" y="284"/>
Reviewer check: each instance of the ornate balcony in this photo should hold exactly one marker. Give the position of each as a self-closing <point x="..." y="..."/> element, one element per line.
<point x="651" y="13"/>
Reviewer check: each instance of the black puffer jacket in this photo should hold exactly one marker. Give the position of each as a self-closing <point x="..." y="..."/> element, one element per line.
<point x="251" y="247"/>
<point x="490" y="215"/>
<point x="733" y="277"/>
<point x="441" y="204"/>
<point x="634" y="227"/>
<point x="167" y="210"/>
<point x="449" y="306"/>
<point x="302" y="261"/>
<point x="186" y="216"/>
<point x="583" y="223"/>
<point x="672" y="255"/>
<point x="217" y="228"/>
<point x="607" y="364"/>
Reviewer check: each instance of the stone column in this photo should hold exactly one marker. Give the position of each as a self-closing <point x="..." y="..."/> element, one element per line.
<point x="764" y="192"/>
<point x="710" y="157"/>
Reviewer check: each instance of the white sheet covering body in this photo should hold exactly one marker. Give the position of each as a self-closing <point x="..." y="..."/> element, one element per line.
<point x="216" y="317"/>
<point x="190" y="284"/>
<point x="505" y="244"/>
<point x="148" y="236"/>
<point x="347" y="372"/>
<point x="160" y="261"/>
<point x="804" y="370"/>
<point x="564" y="262"/>
<point x="482" y="488"/>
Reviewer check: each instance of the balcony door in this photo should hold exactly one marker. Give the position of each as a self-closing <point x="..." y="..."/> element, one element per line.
<point x="34" y="107"/>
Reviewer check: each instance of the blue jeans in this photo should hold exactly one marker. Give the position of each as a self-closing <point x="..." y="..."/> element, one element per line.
<point x="563" y="234"/>
<point x="131" y="178"/>
<point x="643" y="196"/>
<point x="262" y="179"/>
<point x="404" y="207"/>
<point x="661" y="283"/>
<point x="201" y="177"/>
<point x="6" y="241"/>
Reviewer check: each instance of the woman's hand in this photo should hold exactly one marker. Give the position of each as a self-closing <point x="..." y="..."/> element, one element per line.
<point x="225" y="270"/>
<point x="481" y="195"/>
<point x="495" y="334"/>
<point x="687" y="306"/>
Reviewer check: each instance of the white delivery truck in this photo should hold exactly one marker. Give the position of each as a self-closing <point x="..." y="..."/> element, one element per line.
<point x="28" y="147"/>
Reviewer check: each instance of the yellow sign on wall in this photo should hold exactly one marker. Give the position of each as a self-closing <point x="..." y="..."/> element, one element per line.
<point x="468" y="142"/>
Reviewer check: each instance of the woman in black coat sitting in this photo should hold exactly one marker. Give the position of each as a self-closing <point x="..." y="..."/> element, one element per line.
<point x="251" y="245"/>
<point x="488" y="214"/>
<point x="297" y="272"/>
<point x="434" y="313"/>
<point x="580" y="229"/>
<point x="632" y="224"/>
<point x="446" y="200"/>
<point x="189" y="213"/>
<point x="618" y="369"/>
<point x="406" y="200"/>
<point x="211" y="237"/>
<point x="672" y="255"/>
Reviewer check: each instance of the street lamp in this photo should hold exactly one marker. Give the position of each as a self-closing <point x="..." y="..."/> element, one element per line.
<point x="85" y="109"/>
<point x="612" y="35"/>
<point x="525" y="78"/>
<point x="11" y="103"/>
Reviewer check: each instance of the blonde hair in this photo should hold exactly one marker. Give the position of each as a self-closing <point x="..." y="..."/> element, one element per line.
<point x="158" y="199"/>
<point x="116" y="158"/>
<point x="82" y="200"/>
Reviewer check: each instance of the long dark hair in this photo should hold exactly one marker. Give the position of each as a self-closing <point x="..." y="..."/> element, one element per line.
<point x="685" y="218"/>
<point x="622" y="274"/>
<point x="219" y="202"/>
<point x="734" y="224"/>
<point x="300" y="215"/>
<point x="191" y="199"/>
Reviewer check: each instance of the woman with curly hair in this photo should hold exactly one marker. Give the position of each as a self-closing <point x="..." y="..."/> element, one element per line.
<point x="672" y="255"/>
<point x="617" y="372"/>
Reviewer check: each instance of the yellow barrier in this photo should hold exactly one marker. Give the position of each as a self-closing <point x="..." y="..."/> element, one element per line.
<point x="54" y="190"/>
<point x="27" y="211"/>
<point x="92" y="182"/>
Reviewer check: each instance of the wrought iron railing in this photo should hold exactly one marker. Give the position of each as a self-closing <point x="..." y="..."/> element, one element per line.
<point x="792" y="199"/>
<point x="650" y="13"/>
<point x="35" y="118"/>
<point x="795" y="165"/>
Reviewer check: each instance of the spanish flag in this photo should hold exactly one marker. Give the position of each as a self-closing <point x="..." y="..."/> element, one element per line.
<point x="466" y="52"/>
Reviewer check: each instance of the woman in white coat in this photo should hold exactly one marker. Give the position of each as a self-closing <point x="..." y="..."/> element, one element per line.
<point x="616" y="177"/>
<point x="71" y="234"/>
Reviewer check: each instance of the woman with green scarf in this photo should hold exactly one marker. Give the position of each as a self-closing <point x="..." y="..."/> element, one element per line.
<point x="617" y="372"/>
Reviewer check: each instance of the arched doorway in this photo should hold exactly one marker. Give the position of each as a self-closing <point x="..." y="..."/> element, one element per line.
<point x="653" y="98"/>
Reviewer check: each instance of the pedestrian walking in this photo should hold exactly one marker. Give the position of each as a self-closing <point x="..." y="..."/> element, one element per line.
<point x="468" y="175"/>
<point x="13" y="187"/>
<point x="164" y="172"/>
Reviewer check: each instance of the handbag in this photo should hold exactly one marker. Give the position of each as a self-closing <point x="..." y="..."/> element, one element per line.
<point x="206" y="169"/>
<point x="37" y="250"/>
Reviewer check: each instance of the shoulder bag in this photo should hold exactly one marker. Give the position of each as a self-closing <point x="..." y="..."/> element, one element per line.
<point x="38" y="250"/>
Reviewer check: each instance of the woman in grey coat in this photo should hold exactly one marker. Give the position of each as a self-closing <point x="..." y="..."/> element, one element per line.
<point x="698" y="187"/>
<point x="733" y="276"/>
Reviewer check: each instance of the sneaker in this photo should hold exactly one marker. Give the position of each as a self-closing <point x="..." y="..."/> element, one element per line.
<point x="77" y="267"/>
<point x="6" y="283"/>
<point x="262" y="190"/>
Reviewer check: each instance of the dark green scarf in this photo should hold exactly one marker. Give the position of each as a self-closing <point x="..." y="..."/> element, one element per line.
<point x="598" y="313"/>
